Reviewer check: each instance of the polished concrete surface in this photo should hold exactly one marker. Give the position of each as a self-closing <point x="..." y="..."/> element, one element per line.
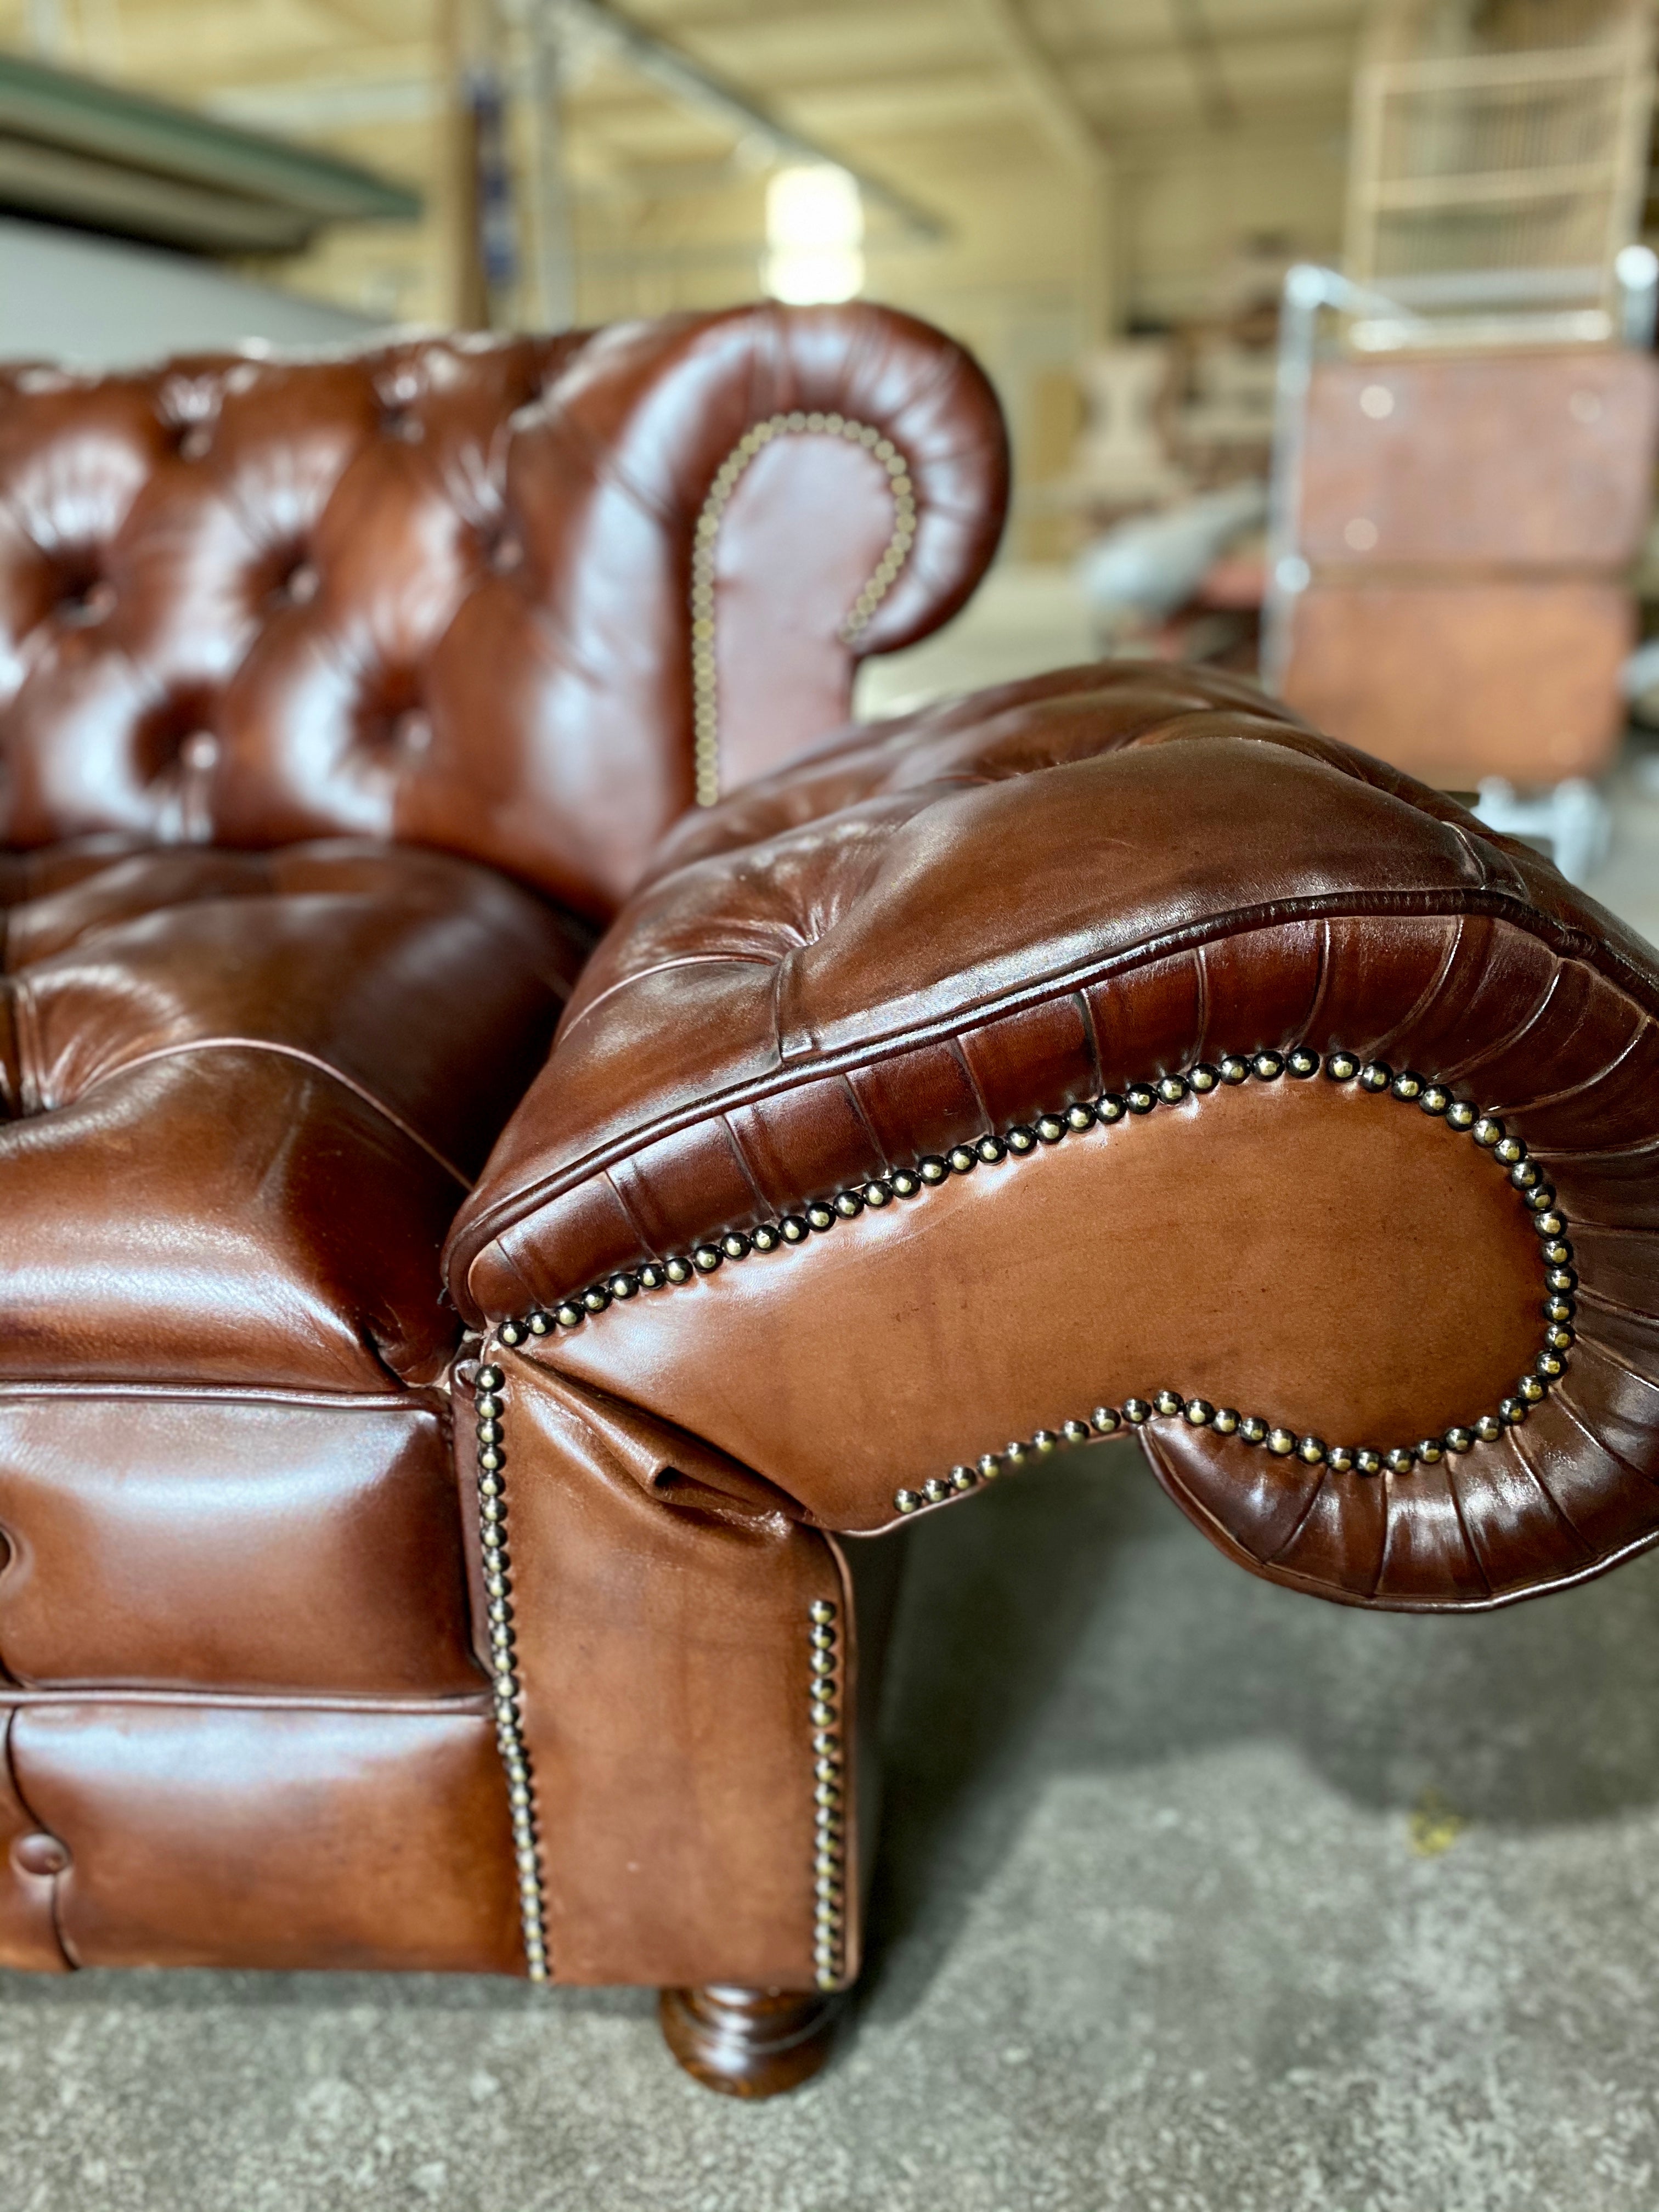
<point x="1196" y="1896"/>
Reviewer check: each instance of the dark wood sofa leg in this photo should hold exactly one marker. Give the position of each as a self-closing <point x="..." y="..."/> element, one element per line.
<point x="748" y="2043"/>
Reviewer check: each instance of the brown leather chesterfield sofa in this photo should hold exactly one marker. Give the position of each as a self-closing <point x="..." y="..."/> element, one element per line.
<point x="1110" y="1053"/>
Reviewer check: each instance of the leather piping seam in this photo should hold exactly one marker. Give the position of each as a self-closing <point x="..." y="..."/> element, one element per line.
<point x="517" y="1207"/>
<point x="345" y="1402"/>
<point x="830" y="1825"/>
<point x="705" y="672"/>
<point x="1536" y="1194"/>
<point x="466" y="1705"/>
<point x="488" y="1388"/>
<point x="311" y="1059"/>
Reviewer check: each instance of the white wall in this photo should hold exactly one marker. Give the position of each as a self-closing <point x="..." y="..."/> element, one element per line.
<point x="100" y="303"/>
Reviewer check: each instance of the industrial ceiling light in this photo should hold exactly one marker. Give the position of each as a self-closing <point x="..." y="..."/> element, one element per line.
<point x="814" y="236"/>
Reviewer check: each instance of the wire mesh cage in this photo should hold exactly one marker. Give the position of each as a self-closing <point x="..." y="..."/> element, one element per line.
<point x="1499" y="157"/>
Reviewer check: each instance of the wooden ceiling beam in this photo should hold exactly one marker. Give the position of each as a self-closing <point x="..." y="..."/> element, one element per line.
<point x="1069" y="129"/>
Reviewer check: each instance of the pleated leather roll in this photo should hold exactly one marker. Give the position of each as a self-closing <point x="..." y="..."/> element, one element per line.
<point x="955" y="931"/>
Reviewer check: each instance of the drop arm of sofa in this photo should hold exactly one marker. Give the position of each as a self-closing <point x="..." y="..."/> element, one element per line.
<point x="1109" y="1052"/>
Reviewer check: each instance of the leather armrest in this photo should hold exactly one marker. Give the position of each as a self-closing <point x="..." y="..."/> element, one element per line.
<point x="1113" y="1051"/>
<point x="716" y="518"/>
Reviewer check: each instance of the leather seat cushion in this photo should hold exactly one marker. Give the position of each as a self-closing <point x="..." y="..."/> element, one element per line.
<point x="181" y="1833"/>
<point x="241" y="1095"/>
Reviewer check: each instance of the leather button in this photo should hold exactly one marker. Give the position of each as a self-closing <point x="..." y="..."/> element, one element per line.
<point x="91" y="604"/>
<point x="41" y="1854"/>
<point x="200" y="751"/>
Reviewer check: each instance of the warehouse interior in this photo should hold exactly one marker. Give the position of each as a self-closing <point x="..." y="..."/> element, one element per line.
<point x="1191" y="1895"/>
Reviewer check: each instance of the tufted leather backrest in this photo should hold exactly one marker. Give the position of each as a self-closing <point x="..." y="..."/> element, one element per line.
<point x="525" y="598"/>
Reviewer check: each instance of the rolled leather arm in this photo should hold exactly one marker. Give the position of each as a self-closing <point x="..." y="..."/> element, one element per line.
<point x="712" y="520"/>
<point x="1112" y="1050"/>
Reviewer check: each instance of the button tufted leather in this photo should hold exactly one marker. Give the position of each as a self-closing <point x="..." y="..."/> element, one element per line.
<point x="438" y="592"/>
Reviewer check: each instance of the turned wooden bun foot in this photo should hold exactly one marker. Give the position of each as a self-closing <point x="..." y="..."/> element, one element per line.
<point x="748" y="2043"/>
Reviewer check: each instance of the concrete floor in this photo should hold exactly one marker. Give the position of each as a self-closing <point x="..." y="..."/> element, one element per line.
<point x="1196" y="1897"/>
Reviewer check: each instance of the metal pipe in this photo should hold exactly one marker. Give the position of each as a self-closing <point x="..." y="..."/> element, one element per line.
<point x="698" y="85"/>
<point x="1308" y="290"/>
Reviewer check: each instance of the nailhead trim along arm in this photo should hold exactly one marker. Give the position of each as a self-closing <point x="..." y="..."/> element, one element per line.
<point x="1535" y="1193"/>
<point x="825" y="1686"/>
<point x="705" y="680"/>
<point x="489" y="1385"/>
<point x="830" y="1827"/>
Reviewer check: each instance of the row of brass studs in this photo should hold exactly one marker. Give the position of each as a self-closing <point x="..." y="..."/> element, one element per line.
<point x="705" y="680"/>
<point x="830" y="1825"/>
<point x="1140" y="1098"/>
<point x="504" y="1673"/>
<point x="1489" y="1134"/>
